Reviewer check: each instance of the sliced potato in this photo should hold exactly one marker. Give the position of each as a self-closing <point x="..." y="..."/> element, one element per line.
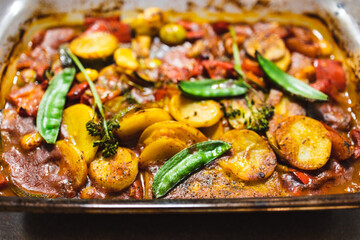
<point x="252" y="158"/>
<point x="160" y="150"/>
<point x="72" y="163"/>
<point x="171" y="129"/>
<point x="115" y="173"/>
<point x="284" y="62"/>
<point x="214" y="132"/>
<point x="270" y="46"/>
<point x="204" y="113"/>
<point x="94" y="45"/>
<point x="341" y="147"/>
<point x="141" y="45"/>
<point x="125" y="58"/>
<point x="304" y="142"/>
<point x="74" y="122"/>
<point x="134" y="122"/>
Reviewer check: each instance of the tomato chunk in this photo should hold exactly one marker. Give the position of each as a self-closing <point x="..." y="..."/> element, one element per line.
<point x="111" y="25"/>
<point x="27" y="99"/>
<point x="331" y="70"/>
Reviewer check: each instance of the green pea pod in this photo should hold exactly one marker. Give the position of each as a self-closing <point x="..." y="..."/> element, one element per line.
<point x="289" y="83"/>
<point x="186" y="162"/>
<point x="52" y="105"/>
<point x="209" y="88"/>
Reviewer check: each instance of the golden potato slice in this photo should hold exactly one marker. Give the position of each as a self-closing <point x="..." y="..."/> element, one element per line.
<point x="304" y="142"/>
<point x="126" y="59"/>
<point x="160" y="150"/>
<point x="172" y="129"/>
<point x="94" y="45"/>
<point x="341" y="148"/>
<point x="284" y="62"/>
<point x="252" y="158"/>
<point x="72" y="164"/>
<point x="134" y="122"/>
<point x="204" y="113"/>
<point x="214" y="132"/>
<point x="74" y="123"/>
<point x="115" y="173"/>
<point x="270" y="46"/>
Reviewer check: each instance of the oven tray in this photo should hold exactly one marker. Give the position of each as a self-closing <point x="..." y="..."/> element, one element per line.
<point x="14" y="15"/>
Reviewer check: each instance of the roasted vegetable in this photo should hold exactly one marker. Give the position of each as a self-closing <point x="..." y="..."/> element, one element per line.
<point x="94" y="45"/>
<point x="203" y="113"/>
<point x="172" y="34"/>
<point x="52" y="104"/>
<point x="135" y="121"/>
<point x="72" y="164"/>
<point x="171" y="129"/>
<point x="303" y="142"/>
<point x="149" y="21"/>
<point x="271" y="46"/>
<point x="160" y="150"/>
<point x="74" y="122"/>
<point x="125" y="59"/>
<point x="92" y="73"/>
<point x="251" y="158"/>
<point x="184" y="163"/>
<point x="117" y="172"/>
<point x="107" y="141"/>
<point x="31" y="141"/>
<point x="288" y="82"/>
<point x="209" y="88"/>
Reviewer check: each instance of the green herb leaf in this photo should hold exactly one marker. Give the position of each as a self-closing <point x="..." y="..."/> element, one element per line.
<point x="289" y="83"/>
<point x="186" y="162"/>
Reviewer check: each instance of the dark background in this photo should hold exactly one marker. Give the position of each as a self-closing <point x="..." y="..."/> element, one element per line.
<point x="337" y="224"/>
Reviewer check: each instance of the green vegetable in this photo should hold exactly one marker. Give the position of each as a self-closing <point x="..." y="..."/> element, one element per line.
<point x="108" y="140"/>
<point x="259" y="120"/>
<point x="52" y="105"/>
<point x="236" y="54"/>
<point x="289" y="83"/>
<point x="172" y="34"/>
<point x="186" y="162"/>
<point x="209" y="88"/>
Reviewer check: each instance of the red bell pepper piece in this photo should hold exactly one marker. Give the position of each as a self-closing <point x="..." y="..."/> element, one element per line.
<point x="331" y="70"/>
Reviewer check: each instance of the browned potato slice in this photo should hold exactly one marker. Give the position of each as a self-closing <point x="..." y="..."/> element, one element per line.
<point x="94" y="45"/>
<point x="72" y="164"/>
<point x="214" y="132"/>
<point x="251" y="159"/>
<point x="270" y="46"/>
<point x="204" y="113"/>
<point x="341" y="147"/>
<point x="304" y="142"/>
<point x="160" y="150"/>
<point x="172" y="129"/>
<point x="134" y="122"/>
<point x="115" y="173"/>
<point x="74" y="124"/>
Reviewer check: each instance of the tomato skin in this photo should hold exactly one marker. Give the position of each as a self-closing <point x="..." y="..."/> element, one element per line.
<point x="327" y="69"/>
<point x="111" y="25"/>
<point x="250" y="65"/>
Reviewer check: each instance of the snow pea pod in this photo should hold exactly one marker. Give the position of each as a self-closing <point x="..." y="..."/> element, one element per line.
<point x="52" y="105"/>
<point x="289" y="83"/>
<point x="209" y="88"/>
<point x="186" y="162"/>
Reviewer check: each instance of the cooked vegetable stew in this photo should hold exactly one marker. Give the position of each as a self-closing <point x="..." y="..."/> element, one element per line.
<point x="158" y="106"/>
